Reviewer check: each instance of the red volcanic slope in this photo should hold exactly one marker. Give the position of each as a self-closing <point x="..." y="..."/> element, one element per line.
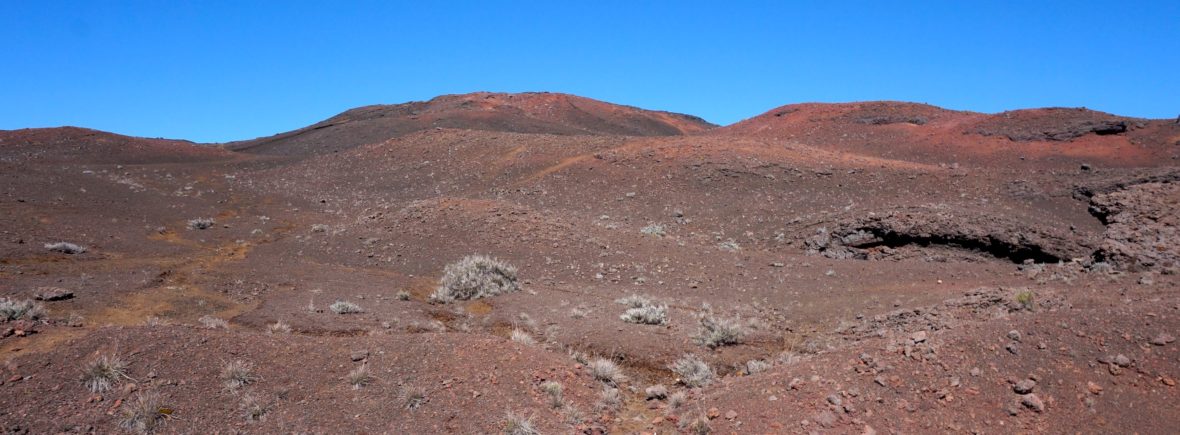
<point x="73" y="144"/>
<point x="925" y="133"/>
<point x="549" y="113"/>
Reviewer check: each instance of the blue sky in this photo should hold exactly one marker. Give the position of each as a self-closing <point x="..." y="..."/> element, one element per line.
<point x="214" y="71"/>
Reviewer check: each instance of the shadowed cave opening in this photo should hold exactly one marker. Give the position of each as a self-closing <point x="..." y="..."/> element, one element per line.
<point x="1017" y="253"/>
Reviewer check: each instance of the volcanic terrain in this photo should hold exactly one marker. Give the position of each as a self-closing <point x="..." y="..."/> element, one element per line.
<point x="876" y="267"/>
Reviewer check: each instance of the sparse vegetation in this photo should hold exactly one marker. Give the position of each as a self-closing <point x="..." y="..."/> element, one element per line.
<point x="573" y="415"/>
<point x="656" y="230"/>
<point x="254" y="408"/>
<point x="641" y="310"/>
<point x="610" y="400"/>
<point x="213" y="322"/>
<point x="279" y="327"/>
<point x="729" y="246"/>
<point x="12" y="309"/>
<point x="580" y="357"/>
<point x="65" y="248"/>
<point x="554" y="390"/>
<point x="1101" y="267"/>
<point x="522" y="337"/>
<point x="103" y="372"/>
<point x="698" y="425"/>
<point x="200" y="224"/>
<point x="344" y="307"/>
<point x="649" y="315"/>
<point x="607" y="371"/>
<point x="413" y="398"/>
<point x="579" y="312"/>
<point x="237" y="374"/>
<point x="634" y="301"/>
<point x="676" y="400"/>
<point x="693" y="372"/>
<point x="527" y="321"/>
<point x="515" y="424"/>
<point x="715" y="332"/>
<point x="403" y="295"/>
<point x="756" y="366"/>
<point x="144" y="413"/>
<point x="474" y="277"/>
<point x="1025" y="299"/>
<point x="75" y="320"/>
<point x="360" y="377"/>
<point x="656" y="392"/>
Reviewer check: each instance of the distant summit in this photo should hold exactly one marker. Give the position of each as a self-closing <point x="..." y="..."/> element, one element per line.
<point x="533" y="112"/>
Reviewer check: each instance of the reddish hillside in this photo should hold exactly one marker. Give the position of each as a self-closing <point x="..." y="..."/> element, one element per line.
<point x="822" y="268"/>
<point x="82" y="145"/>
<point x="548" y="113"/>
<point x="929" y="134"/>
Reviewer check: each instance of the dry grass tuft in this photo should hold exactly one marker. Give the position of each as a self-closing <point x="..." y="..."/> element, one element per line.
<point x="237" y="374"/>
<point x="693" y="371"/>
<point x="474" y="277"/>
<point x="607" y="371"/>
<point x="103" y="372"/>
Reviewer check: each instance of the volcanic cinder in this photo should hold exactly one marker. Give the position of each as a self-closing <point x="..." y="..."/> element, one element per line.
<point x="877" y="267"/>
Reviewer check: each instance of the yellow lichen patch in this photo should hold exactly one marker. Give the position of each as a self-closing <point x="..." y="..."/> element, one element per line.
<point x="421" y="287"/>
<point x="174" y="238"/>
<point x="478" y="307"/>
<point x="179" y="304"/>
<point x="41" y="342"/>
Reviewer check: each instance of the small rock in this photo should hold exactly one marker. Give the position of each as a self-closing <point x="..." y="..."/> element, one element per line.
<point x="919" y="336"/>
<point x="1012" y="349"/>
<point x="1086" y="167"/>
<point x="868" y="430"/>
<point x="1122" y="361"/>
<point x="730" y="415"/>
<point x="713" y="413"/>
<point x="975" y="372"/>
<point x="834" y="399"/>
<point x="1031" y="401"/>
<point x="825" y="419"/>
<point x="53" y="294"/>
<point x="1024" y="387"/>
<point x="1094" y="388"/>
<point x="359" y="355"/>
<point x="1163" y="339"/>
<point x="1014" y="335"/>
<point x="1168" y="381"/>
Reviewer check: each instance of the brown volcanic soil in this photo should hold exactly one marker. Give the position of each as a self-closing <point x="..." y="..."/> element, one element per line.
<point x="880" y="256"/>
<point x="1035" y="138"/>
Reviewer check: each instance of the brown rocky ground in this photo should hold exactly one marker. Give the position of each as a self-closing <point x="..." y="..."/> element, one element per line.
<point x="897" y="267"/>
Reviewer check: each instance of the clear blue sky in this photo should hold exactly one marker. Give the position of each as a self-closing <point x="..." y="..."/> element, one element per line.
<point x="215" y="71"/>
